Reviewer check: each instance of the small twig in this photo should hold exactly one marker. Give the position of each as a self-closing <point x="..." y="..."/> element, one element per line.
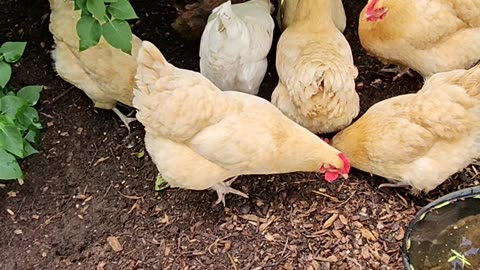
<point x="284" y="248"/>
<point x="326" y="195"/>
<point x="232" y="261"/>
<point x="355" y="262"/>
<point x="131" y="197"/>
<point x="404" y="201"/>
<point x="108" y="189"/>
<point x="55" y="99"/>
<point x="348" y="199"/>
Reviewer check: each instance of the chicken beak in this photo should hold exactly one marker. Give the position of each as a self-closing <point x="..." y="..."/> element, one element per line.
<point x="345" y="176"/>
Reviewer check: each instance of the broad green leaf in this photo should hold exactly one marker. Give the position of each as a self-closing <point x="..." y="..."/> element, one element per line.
<point x="11" y="105"/>
<point x="12" y="51"/>
<point x="122" y="10"/>
<point x="27" y="118"/>
<point x="97" y="8"/>
<point x="9" y="168"/>
<point x="5" y="73"/>
<point x="30" y="93"/>
<point x="33" y="135"/>
<point x="80" y="4"/>
<point x="89" y="31"/>
<point x="110" y="1"/>
<point x="10" y="137"/>
<point x="118" y="34"/>
<point x="28" y="149"/>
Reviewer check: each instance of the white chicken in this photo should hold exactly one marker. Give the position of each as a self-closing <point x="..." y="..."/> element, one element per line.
<point x="235" y="44"/>
<point x="200" y="136"/>
<point x="316" y="72"/>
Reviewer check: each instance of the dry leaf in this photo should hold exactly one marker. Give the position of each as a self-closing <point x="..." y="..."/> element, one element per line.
<point x="330" y="221"/>
<point x="269" y="237"/>
<point x="367" y="234"/>
<point x="343" y="219"/>
<point x="101" y="265"/>
<point x="400" y="234"/>
<point x="337" y="234"/>
<point x="114" y="243"/>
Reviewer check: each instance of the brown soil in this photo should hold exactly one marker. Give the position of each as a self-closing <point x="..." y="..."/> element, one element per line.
<point x="85" y="185"/>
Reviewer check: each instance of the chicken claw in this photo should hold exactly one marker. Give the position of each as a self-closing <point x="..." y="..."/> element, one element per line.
<point x="394" y="185"/>
<point x="126" y="120"/>
<point x="224" y="188"/>
<point x="399" y="70"/>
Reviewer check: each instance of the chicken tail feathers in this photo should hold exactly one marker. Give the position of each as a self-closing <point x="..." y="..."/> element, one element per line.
<point x="59" y="4"/>
<point x="224" y="13"/>
<point x="151" y="64"/>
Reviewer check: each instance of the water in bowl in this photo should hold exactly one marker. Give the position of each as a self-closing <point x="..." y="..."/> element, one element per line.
<point x="448" y="237"/>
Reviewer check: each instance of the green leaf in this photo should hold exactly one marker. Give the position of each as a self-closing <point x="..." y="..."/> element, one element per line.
<point x="110" y="1"/>
<point x="97" y="8"/>
<point x="10" y="137"/>
<point x="9" y="168"/>
<point x="89" y="31"/>
<point x="5" y="73"/>
<point x="33" y="135"/>
<point x="28" y="149"/>
<point x="122" y="10"/>
<point x="118" y="34"/>
<point x="12" y="51"/>
<point x="11" y="105"/>
<point x="30" y="93"/>
<point x="80" y="4"/>
<point x="28" y="117"/>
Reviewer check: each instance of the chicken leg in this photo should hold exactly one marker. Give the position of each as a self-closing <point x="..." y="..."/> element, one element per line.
<point x="126" y="120"/>
<point x="224" y="188"/>
<point x="400" y="71"/>
<point x="394" y="185"/>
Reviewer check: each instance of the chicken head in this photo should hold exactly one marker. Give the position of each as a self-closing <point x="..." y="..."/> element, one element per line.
<point x="375" y="11"/>
<point x="332" y="172"/>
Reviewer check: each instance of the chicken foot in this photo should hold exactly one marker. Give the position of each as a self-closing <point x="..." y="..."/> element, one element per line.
<point x="223" y="188"/>
<point x="394" y="185"/>
<point x="126" y="120"/>
<point x="400" y="71"/>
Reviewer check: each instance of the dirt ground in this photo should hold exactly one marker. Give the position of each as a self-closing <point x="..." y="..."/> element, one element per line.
<point x="86" y="189"/>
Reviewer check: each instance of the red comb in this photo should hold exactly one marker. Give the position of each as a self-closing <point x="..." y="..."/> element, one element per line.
<point x="346" y="163"/>
<point x="371" y="7"/>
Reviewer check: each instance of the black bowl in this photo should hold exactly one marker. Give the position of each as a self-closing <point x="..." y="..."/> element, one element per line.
<point x="432" y="221"/>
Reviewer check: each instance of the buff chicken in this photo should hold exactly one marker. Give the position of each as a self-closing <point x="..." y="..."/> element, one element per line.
<point x="316" y="72"/>
<point x="104" y="73"/>
<point x="199" y="136"/>
<point x="287" y="10"/>
<point x="421" y="139"/>
<point x="427" y="36"/>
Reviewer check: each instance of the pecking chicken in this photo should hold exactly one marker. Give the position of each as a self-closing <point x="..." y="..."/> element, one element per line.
<point x="316" y="73"/>
<point x="235" y="44"/>
<point x="104" y="73"/>
<point x="419" y="139"/>
<point x="200" y="136"/>
<point x="428" y="36"/>
<point x="287" y="10"/>
<point x="192" y="17"/>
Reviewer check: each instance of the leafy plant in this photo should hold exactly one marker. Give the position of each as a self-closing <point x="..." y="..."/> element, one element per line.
<point x="105" y="18"/>
<point x="19" y="121"/>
